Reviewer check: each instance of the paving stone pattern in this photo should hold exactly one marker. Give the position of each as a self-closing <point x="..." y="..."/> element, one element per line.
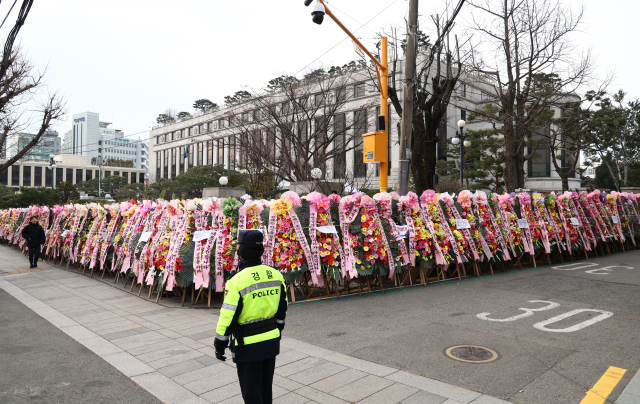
<point x="169" y="351"/>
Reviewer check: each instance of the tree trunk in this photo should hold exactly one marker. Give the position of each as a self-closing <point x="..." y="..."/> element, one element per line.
<point x="565" y="183"/>
<point x="514" y="165"/>
<point x="423" y="155"/>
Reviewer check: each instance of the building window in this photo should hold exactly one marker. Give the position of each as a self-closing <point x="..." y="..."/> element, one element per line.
<point x="125" y="174"/>
<point x="318" y="99"/>
<point x="340" y="154"/>
<point x="165" y="156"/>
<point x="221" y="151"/>
<point x="181" y="158"/>
<point x="158" y="165"/>
<point x="200" y="153"/>
<point x="358" y="90"/>
<point x="463" y="114"/>
<point x="48" y="177"/>
<point x="195" y="130"/>
<point x="232" y="152"/>
<point x="360" y="128"/>
<point x="484" y="96"/>
<point x="78" y="175"/>
<point x="221" y="124"/>
<point x="284" y="108"/>
<point x="116" y="173"/>
<point x="341" y="94"/>
<point x="173" y="162"/>
<point x="3" y="177"/>
<point x="191" y="155"/>
<point x="463" y="90"/>
<point x="210" y="152"/>
<point x="133" y="178"/>
<point x="37" y="176"/>
<point x="540" y="162"/>
<point x="244" y="116"/>
<point x="69" y="177"/>
<point x="59" y="175"/>
<point x="89" y="175"/>
<point x="26" y="176"/>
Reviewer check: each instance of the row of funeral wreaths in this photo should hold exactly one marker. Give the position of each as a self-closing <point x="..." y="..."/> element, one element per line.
<point x="318" y="237"/>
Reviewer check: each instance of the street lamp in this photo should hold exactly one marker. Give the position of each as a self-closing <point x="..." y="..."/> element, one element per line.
<point x="223" y="181"/>
<point x="52" y="165"/>
<point x="461" y="139"/>
<point x="375" y="147"/>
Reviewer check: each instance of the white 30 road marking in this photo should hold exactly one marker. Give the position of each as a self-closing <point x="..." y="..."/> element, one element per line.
<point x="527" y="312"/>
<point x="606" y="269"/>
<point x="595" y="271"/>
<point x="574" y="267"/>
<point x="543" y="324"/>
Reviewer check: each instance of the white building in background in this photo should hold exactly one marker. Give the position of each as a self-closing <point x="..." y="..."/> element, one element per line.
<point x="211" y="139"/>
<point x="92" y="138"/>
<point x="72" y="168"/>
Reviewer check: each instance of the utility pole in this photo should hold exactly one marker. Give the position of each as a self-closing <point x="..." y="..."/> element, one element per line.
<point x="407" y="105"/>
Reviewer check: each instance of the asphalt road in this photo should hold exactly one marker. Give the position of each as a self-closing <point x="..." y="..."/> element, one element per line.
<point x="41" y="364"/>
<point x="542" y="359"/>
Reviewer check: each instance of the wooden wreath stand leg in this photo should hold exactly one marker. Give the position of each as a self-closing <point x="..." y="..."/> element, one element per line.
<point x="151" y="289"/>
<point x="293" y="295"/>
<point x="160" y="292"/>
<point x="476" y="268"/>
<point x="379" y="277"/>
<point x="518" y="261"/>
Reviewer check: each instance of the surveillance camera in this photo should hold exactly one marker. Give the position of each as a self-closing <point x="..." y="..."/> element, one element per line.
<point x="307" y="2"/>
<point x="317" y="12"/>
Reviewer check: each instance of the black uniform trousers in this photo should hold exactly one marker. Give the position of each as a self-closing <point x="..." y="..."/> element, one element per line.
<point x="256" y="380"/>
<point x="34" y="254"/>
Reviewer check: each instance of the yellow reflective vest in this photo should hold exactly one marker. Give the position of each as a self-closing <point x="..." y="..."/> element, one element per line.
<point x="251" y="296"/>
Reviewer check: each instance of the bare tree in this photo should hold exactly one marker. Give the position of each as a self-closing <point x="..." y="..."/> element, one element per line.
<point x="437" y="74"/>
<point x="531" y="62"/>
<point x="303" y="124"/>
<point x="23" y="106"/>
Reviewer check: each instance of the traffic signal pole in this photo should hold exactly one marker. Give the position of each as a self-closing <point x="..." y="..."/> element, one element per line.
<point x="382" y="71"/>
<point x="384" y="110"/>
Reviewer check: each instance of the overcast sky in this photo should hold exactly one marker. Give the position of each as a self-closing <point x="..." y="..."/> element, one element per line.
<point x="131" y="60"/>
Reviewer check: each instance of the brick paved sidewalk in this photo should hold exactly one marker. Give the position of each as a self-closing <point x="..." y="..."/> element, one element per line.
<point x="169" y="351"/>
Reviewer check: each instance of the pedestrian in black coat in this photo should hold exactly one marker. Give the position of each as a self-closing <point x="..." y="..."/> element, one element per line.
<point x="35" y="236"/>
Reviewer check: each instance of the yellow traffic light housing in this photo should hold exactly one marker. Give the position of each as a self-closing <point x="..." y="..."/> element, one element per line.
<point x="375" y="147"/>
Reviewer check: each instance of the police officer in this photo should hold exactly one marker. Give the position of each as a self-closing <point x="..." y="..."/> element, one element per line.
<point x="252" y="318"/>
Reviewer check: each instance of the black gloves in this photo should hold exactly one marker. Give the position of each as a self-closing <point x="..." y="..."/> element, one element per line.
<point x="280" y="325"/>
<point x="220" y="355"/>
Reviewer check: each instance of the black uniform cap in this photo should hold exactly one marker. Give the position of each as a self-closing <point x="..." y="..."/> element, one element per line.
<point x="251" y="238"/>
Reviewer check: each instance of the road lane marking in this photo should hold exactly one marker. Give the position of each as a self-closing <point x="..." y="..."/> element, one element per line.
<point x="606" y="269"/>
<point x="574" y="267"/>
<point x="527" y="312"/>
<point x="543" y="324"/>
<point x="601" y="390"/>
